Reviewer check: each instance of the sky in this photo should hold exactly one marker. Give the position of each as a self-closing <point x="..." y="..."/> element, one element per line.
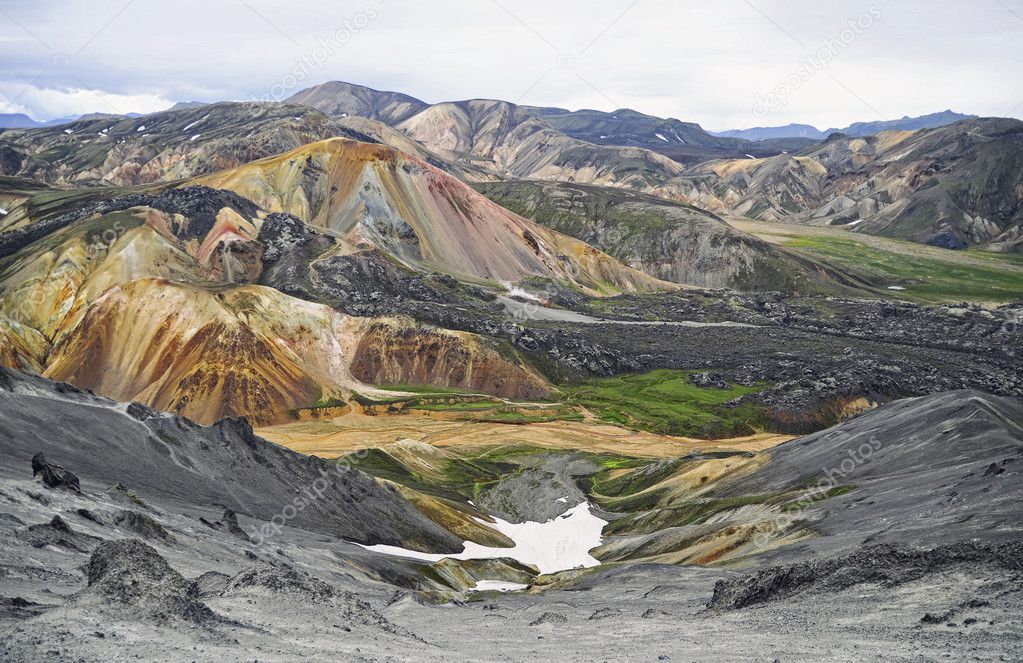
<point x="726" y="64"/>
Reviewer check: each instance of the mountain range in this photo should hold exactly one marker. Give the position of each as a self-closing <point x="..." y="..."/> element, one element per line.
<point x="618" y="150"/>
<point x="22" y="121"/>
<point x="358" y="376"/>
<point x="857" y="129"/>
<point x="484" y="140"/>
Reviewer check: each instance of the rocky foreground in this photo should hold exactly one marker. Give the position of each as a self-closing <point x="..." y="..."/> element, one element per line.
<point x="108" y="553"/>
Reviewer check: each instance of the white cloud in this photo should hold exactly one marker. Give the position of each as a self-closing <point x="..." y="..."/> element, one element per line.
<point x="702" y="62"/>
<point x="47" y="103"/>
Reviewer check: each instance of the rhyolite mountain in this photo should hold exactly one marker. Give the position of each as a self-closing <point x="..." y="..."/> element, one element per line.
<point x="167" y="295"/>
<point x="502" y="139"/>
<point x="501" y="134"/>
<point x="670" y="240"/>
<point x="483" y="140"/>
<point x="170" y="145"/>
<point x="168" y="310"/>
<point x="373" y="195"/>
<point x="188" y="140"/>
<point x="954" y="186"/>
<point x="339" y="98"/>
<point x="795" y="181"/>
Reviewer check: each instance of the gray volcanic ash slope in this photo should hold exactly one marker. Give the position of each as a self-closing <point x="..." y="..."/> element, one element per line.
<point x="934" y="470"/>
<point x="224" y="465"/>
<point x="110" y="574"/>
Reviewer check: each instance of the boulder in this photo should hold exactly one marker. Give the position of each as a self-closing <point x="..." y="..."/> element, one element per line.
<point x="52" y="475"/>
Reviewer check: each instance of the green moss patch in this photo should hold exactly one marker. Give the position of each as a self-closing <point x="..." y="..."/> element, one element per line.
<point x="664" y="401"/>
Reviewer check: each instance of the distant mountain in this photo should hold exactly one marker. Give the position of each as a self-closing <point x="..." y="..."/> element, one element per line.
<point x="181" y="105"/>
<point x="339" y="98"/>
<point x="17" y="121"/>
<point x="858" y="129"/>
<point x="685" y="142"/>
<point x="763" y="133"/>
<point x="22" y="121"/>
<point x="628" y="127"/>
<point x="495" y="139"/>
<point x="953" y="186"/>
<point x="932" y="121"/>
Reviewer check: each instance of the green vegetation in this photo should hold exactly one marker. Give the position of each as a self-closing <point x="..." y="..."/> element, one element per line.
<point x="664" y="401"/>
<point x="924" y="279"/>
<point x="451" y="478"/>
<point x="690" y="513"/>
<point x="367" y="401"/>
<point x="98" y="234"/>
<point x="638" y="480"/>
<point x="661" y="401"/>
<point x="509" y="416"/>
<point x="455" y="405"/>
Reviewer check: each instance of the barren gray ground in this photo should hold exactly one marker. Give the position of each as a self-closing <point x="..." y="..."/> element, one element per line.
<point x="147" y="573"/>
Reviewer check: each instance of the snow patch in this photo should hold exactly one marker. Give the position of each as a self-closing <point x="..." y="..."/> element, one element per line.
<point x="750" y="156"/>
<point x="194" y="137"/>
<point x="662" y="138"/>
<point x="895" y="287"/>
<point x="557" y="545"/>
<point x="201" y="119"/>
<point x="141" y="129"/>
<point x="498" y="585"/>
<point x="68" y="131"/>
<point x="856" y="222"/>
<point x="3" y="212"/>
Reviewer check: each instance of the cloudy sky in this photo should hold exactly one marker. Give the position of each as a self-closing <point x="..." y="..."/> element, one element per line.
<point x="724" y="64"/>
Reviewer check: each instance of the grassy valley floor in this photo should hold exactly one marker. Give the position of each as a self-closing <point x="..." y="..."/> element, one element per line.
<point x="916" y="272"/>
<point x="334" y="437"/>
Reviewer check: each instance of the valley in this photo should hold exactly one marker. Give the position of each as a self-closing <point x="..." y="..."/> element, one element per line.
<point x="357" y="376"/>
<point x="697" y="531"/>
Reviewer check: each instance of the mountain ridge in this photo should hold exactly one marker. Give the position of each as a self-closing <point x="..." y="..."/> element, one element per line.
<point x="857" y="129"/>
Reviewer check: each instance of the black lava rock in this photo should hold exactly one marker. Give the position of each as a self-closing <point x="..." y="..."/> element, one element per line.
<point x="54" y="476"/>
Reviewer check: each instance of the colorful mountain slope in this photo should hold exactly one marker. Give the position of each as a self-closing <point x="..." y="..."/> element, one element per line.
<point x="375" y="196"/>
<point x="670" y="240"/>
<point x="158" y="305"/>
